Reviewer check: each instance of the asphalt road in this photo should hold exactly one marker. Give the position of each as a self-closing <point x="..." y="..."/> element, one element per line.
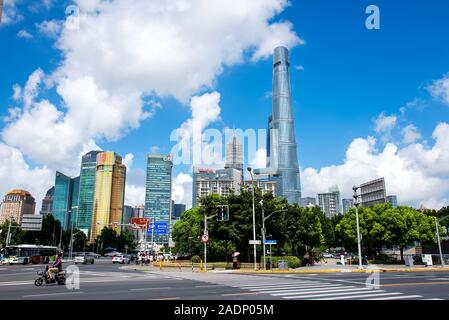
<point x="111" y="282"/>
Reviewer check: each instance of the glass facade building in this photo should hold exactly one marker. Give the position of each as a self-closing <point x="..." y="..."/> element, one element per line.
<point x="281" y="150"/>
<point x="158" y="193"/>
<point x="109" y="195"/>
<point x="393" y="200"/>
<point x="65" y="199"/>
<point x="47" y="202"/>
<point x="347" y="204"/>
<point x="87" y="189"/>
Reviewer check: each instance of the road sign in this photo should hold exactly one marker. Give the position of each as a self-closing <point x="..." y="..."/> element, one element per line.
<point x="159" y="228"/>
<point x="273" y="242"/>
<point x="255" y="242"/>
<point x="204" y="238"/>
<point x="140" y="223"/>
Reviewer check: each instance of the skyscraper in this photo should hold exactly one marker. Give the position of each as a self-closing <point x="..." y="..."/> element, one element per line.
<point x="87" y="190"/>
<point x="307" y="201"/>
<point x="234" y="155"/>
<point x="109" y="193"/>
<point x="65" y="199"/>
<point x="281" y="152"/>
<point x="158" y="193"/>
<point x="47" y="202"/>
<point x="17" y="203"/>
<point x="347" y="204"/>
<point x="330" y="202"/>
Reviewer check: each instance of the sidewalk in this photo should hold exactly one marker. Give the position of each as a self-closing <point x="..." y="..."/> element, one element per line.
<point x="309" y="269"/>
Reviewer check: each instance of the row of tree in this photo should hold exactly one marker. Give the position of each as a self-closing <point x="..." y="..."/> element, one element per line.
<point x="298" y="231"/>
<point x="52" y="234"/>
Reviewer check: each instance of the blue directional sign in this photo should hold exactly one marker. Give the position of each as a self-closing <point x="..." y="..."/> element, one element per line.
<point x="271" y="242"/>
<point x="159" y="228"/>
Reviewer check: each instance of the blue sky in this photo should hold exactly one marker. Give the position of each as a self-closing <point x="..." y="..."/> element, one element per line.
<point x="351" y="76"/>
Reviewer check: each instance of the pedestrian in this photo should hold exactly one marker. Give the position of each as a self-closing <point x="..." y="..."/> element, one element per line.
<point x="140" y="258"/>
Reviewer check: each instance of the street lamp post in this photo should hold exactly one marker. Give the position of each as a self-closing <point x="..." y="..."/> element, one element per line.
<point x="254" y="220"/>
<point x="356" y="204"/>
<point x="439" y="242"/>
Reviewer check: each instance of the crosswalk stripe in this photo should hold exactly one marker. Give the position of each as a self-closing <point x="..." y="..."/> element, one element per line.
<point x="282" y="286"/>
<point x="295" y="287"/>
<point x="308" y="290"/>
<point x="396" y="298"/>
<point x="363" y="295"/>
<point x="323" y="292"/>
<point x="332" y="294"/>
<point x="258" y="284"/>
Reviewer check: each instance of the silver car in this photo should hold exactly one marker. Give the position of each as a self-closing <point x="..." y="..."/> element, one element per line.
<point x="84" y="258"/>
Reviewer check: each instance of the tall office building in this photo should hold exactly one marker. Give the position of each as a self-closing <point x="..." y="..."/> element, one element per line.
<point x="347" y="204"/>
<point x="307" y="202"/>
<point x="47" y="202"/>
<point x="127" y="215"/>
<point x="281" y="152"/>
<point x="17" y="203"/>
<point x="178" y="209"/>
<point x="87" y="189"/>
<point x="65" y="200"/>
<point x="109" y="193"/>
<point x="393" y="200"/>
<point x="210" y="181"/>
<point x="158" y="193"/>
<point x="330" y="202"/>
<point x="234" y="155"/>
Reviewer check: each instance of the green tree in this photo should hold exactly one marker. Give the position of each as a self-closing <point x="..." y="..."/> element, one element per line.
<point x="186" y="232"/>
<point x="17" y="234"/>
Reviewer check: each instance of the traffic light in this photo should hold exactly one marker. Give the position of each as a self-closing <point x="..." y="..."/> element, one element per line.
<point x="222" y="213"/>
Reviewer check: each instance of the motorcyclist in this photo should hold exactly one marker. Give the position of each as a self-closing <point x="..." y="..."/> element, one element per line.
<point x="55" y="267"/>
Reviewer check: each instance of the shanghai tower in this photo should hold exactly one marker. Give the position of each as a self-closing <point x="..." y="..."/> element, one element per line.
<point x="281" y="154"/>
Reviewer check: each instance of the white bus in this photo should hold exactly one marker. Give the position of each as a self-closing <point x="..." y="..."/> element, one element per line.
<point x="29" y="253"/>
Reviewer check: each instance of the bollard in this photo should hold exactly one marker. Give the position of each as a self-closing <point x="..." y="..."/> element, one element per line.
<point x="201" y="265"/>
<point x="160" y="265"/>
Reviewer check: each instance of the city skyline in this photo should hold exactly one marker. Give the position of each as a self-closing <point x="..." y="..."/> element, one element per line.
<point x="345" y="109"/>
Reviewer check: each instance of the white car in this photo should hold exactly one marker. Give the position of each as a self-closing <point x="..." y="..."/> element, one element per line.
<point x="122" y="259"/>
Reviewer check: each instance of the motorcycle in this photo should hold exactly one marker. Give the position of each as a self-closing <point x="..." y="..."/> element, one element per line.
<point x="43" y="278"/>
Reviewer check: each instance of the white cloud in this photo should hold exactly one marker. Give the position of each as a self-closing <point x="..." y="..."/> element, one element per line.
<point x="124" y="57"/>
<point x="155" y="149"/>
<point x="384" y="124"/>
<point x="416" y="174"/>
<point x="134" y="195"/>
<point x="299" y="68"/>
<point x="128" y="161"/>
<point x="50" y="28"/>
<point x="15" y="173"/>
<point x="24" y="34"/>
<point x="410" y="134"/>
<point x="11" y="13"/>
<point x="182" y="189"/>
<point x="260" y="159"/>
<point x="440" y="89"/>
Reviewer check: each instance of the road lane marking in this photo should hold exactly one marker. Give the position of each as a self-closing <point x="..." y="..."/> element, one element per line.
<point x="363" y="296"/>
<point x="50" y="294"/>
<point x="258" y="284"/>
<point x="333" y="295"/>
<point x="316" y="289"/>
<point x="240" y="294"/>
<point x="296" y="287"/>
<point x="211" y="286"/>
<point x="171" y="298"/>
<point x="396" y="298"/>
<point x="323" y="292"/>
<point x="147" y="289"/>
<point x="412" y="284"/>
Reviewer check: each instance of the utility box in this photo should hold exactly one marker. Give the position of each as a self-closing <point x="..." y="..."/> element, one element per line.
<point x="283" y="265"/>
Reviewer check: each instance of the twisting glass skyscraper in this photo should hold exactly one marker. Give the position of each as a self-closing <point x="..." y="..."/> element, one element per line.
<point x="282" y="155"/>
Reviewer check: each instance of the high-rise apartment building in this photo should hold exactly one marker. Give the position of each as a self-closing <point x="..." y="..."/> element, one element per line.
<point x="373" y="193"/>
<point x="210" y="181"/>
<point x="282" y="155"/>
<point x="263" y="185"/>
<point x="87" y="189"/>
<point x="65" y="200"/>
<point x="330" y="202"/>
<point x="158" y="193"/>
<point x="17" y="203"/>
<point x="109" y="193"/>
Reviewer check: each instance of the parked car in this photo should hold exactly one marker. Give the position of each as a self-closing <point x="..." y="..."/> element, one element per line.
<point x="84" y="258"/>
<point x="328" y="255"/>
<point x="121" y="258"/>
<point x="111" y="254"/>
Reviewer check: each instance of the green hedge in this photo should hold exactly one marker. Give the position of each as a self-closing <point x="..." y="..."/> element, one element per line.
<point x="196" y="259"/>
<point x="293" y="261"/>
